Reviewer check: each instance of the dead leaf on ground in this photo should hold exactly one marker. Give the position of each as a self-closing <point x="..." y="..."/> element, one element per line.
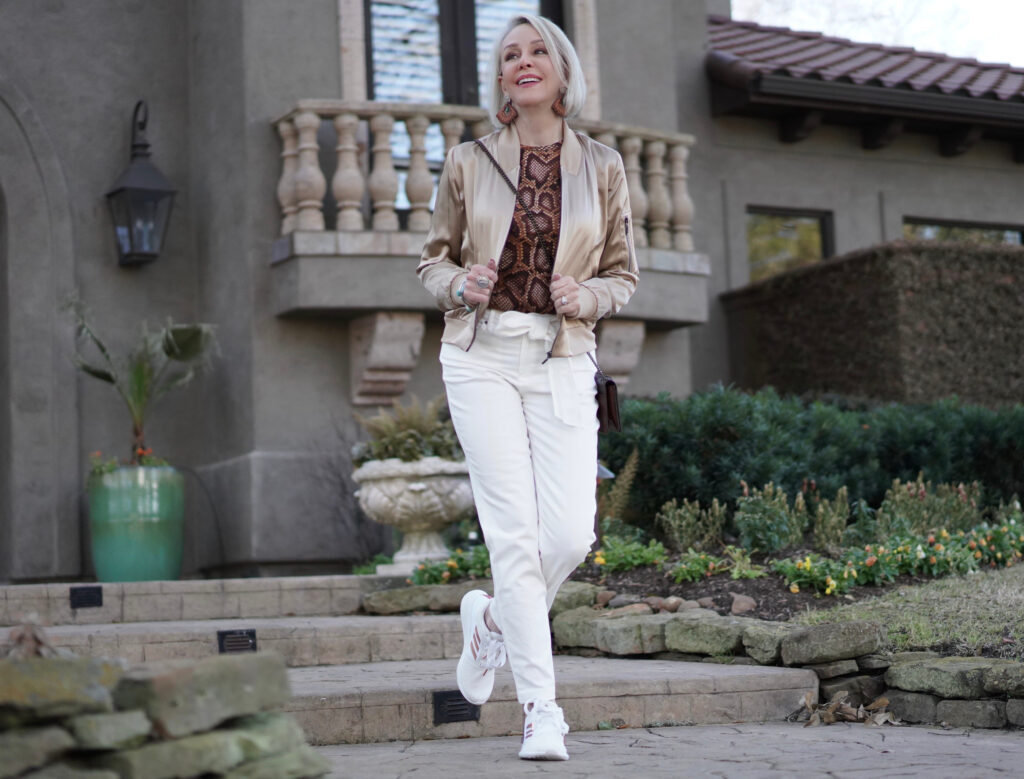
<point x="839" y="709"/>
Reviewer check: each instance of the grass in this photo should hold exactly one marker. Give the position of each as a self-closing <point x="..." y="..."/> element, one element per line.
<point x="981" y="613"/>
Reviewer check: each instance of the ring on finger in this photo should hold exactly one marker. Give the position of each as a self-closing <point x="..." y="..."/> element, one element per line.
<point x="482" y="282"/>
<point x="564" y="300"/>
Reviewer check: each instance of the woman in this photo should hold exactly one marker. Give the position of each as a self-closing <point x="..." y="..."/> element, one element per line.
<point x="514" y="353"/>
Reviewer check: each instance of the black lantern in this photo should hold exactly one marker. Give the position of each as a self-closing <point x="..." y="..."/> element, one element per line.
<point x="140" y="200"/>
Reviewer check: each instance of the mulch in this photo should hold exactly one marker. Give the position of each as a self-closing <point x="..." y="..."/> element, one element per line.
<point x="774" y="600"/>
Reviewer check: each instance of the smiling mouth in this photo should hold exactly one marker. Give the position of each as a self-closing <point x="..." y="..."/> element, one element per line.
<point x="526" y="80"/>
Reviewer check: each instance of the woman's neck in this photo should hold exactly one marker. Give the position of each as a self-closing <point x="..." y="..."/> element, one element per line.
<point x="540" y="127"/>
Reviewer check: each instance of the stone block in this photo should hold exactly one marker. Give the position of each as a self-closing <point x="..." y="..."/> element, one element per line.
<point x="1015" y="711"/>
<point x="25" y="748"/>
<point x="825" y="643"/>
<point x="403" y="599"/>
<point x="860" y="689"/>
<point x="572" y="595"/>
<point x="576" y="627"/>
<point x="299" y="763"/>
<point x="947" y="677"/>
<point x="1005" y="679"/>
<point x="763" y="640"/>
<point x="972" y="714"/>
<point x="183" y="697"/>
<point x="877" y="661"/>
<point x="835" y="668"/>
<point x="448" y="597"/>
<point x="308" y="601"/>
<point x="248" y="739"/>
<point x="705" y="633"/>
<point x="636" y="635"/>
<point x="116" y="730"/>
<point x="915" y="707"/>
<point x="152" y="607"/>
<point x="68" y="771"/>
<point x="35" y="689"/>
<point x="345" y="600"/>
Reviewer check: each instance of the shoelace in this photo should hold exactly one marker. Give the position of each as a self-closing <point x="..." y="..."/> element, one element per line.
<point x="492" y="653"/>
<point x="547" y="713"/>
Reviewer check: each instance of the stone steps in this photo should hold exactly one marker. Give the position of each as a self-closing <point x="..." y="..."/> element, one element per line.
<point x="363" y="703"/>
<point x="193" y="599"/>
<point x="301" y="641"/>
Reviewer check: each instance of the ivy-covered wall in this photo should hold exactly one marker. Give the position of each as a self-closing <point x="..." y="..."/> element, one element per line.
<point x="904" y="321"/>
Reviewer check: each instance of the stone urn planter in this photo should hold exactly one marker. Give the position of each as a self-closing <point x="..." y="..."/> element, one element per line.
<point x="420" y="498"/>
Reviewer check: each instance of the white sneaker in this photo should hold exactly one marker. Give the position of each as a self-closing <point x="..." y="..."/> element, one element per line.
<point x="482" y="650"/>
<point x="544" y="732"/>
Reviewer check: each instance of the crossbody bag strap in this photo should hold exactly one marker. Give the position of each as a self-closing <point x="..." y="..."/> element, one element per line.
<point x="511" y="186"/>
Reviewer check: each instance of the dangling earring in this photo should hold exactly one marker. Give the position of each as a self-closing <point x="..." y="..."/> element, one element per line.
<point x="558" y="106"/>
<point x="508" y="112"/>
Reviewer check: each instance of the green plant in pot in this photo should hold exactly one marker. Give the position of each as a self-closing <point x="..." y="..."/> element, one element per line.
<point x="137" y="506"/>
<point x="412" y="475"/>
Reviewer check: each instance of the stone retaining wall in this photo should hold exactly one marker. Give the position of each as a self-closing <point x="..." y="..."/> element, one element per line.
<point x="88" y="718"/>
<point x="921" y="686"/>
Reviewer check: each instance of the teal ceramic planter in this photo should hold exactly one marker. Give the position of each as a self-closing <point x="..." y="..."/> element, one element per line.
<point x="137" y="515"/>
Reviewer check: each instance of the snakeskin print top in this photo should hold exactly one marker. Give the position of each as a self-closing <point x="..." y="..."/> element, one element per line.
<point x="524" y="271"/>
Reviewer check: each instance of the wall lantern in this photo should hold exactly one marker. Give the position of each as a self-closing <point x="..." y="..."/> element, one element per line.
<point x="140" y="200"/>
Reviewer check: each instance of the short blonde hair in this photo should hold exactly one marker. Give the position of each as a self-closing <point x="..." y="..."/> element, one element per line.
<point x="562" y="53"/>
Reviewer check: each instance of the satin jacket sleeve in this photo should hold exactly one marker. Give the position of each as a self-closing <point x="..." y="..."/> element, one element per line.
<point x="440" y="268"/>
<point x="617" y="274"/>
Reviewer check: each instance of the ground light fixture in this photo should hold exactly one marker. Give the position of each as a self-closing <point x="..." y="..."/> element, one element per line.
<point x="140" y="200"/>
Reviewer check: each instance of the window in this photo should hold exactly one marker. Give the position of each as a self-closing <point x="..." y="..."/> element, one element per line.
<point x="780" y="239"/>
<point x="937" y="230"/>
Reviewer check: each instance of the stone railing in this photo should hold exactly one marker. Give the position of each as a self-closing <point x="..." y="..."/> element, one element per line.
<point x="350" y="236"/>
<point x="655" y="164"/>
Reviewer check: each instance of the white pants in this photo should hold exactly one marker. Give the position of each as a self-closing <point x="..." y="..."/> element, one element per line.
<point x="529" y="431"/>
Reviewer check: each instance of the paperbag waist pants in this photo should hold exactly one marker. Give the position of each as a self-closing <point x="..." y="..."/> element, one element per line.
<point x="529" y="431"/>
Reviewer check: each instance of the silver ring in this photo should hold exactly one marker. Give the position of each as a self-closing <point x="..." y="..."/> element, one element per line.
<point x="482" y="282"/>
<point x="564" y="300"/>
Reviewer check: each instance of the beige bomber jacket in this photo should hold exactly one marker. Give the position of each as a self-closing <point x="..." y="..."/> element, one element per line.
<point x="473" y="213"/>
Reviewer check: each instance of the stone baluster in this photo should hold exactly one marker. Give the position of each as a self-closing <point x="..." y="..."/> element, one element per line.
<point x="630" y="149"/>
<point x="348" y="182"/>
<point x="419" y="184"/>
<point x="608" y="139"/>
<point x="286" y="186"/>
<point x="659" y="208"/>
<point x="481" y="127"/>
<point x="452" y="130"/>
<point x="383" y="179"/>
<point x="682" y="215"/>
<point x="310" y="184"/>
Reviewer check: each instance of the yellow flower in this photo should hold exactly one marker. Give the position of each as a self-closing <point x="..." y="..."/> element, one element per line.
<point x="828" y="590"/>
<point x="799" y="565"/>
<point x="944" y="533"/>
<point x="599" y="559"/>
<point x="458" y="551"/>
<point x="452" y="564"/>
<point x="794" y="588"/>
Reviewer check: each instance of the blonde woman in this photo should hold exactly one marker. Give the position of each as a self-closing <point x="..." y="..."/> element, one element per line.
<point x="529" y="246"/>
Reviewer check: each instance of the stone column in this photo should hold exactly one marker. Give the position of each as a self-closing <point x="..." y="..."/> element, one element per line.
<point x="383" y="350"/>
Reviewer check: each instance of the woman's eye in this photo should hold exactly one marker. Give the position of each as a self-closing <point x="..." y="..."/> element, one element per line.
<point x="510" y="55"/>
<point x="541" y="51"/>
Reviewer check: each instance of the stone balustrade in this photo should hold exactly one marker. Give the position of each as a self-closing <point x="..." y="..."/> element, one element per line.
<point x="353" y="225"/>
<point x="655" y="164"/>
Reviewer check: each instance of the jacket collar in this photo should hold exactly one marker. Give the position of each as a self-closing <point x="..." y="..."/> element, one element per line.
<point x="508" y="149"/>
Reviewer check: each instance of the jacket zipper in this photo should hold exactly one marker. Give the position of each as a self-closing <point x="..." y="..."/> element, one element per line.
<point x="629" y="248"/>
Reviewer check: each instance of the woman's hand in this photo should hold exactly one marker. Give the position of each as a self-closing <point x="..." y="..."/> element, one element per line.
<point x="565" y="294"/>
<point x="479" y="283"/>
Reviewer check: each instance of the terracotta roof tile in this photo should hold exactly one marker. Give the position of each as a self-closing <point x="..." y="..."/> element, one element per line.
<point x="762" y="49"/>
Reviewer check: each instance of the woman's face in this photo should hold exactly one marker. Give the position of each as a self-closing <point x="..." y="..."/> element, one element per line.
<point x="527" y="72"/>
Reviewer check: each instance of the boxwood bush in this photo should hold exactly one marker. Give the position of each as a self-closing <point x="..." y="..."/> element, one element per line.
<point x="702" y="447"/>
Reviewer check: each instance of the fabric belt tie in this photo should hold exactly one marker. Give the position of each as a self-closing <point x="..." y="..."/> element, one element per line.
<point x="542" y="327"/>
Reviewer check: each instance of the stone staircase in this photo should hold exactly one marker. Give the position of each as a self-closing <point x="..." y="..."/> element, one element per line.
<point x="359" y="679"/>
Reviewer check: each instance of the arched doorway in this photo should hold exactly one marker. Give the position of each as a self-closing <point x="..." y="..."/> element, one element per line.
<point x="39" y="468"/>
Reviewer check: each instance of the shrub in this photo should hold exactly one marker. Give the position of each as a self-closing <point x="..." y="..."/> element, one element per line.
<point x="766" y="522"/>
<point x="613" y="501"/>
<point x="830" y="519"/>
<point x="815" y="573"/>
<point x="689" y="525"/>
<point x="620" y="554"/>
<point x="409" y="433"/>
<point x="693" y="566"/>
<point x="474" y="564"/>
<point x="700" y="448"/>
<point x="916" y="507"/>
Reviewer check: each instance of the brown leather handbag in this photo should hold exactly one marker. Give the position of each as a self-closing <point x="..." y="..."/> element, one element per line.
<point x="607" y="393"/>
<point x="607" y="401"/>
